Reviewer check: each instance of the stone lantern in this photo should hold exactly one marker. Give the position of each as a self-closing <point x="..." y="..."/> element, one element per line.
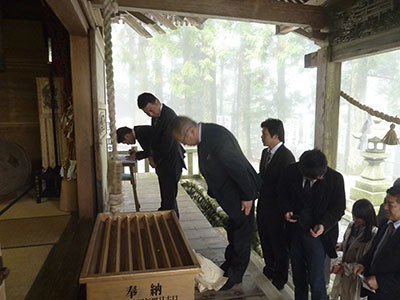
<point x="372" y="183"/>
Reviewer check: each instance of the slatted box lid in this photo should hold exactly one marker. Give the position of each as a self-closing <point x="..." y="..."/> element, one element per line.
<point x="137" y="244"/>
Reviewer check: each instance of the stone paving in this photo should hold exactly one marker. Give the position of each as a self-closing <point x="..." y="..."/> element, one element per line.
<point x="204" y="239"/>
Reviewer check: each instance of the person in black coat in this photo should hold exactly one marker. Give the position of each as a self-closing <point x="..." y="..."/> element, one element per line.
<point x="381" y="264"/>
<point x="270" y="221"/>
<point x="143" y="134"/>
<point x="381" y="213"/>
<point x="232" y="181"/>
<point x="314" y="200"/>
<point x="168" y="154"/>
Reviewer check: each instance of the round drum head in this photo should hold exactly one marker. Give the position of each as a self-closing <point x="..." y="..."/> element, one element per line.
<point x="15" y="167"/>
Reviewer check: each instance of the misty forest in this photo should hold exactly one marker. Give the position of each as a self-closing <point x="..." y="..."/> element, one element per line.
<point x="238" y="74"/>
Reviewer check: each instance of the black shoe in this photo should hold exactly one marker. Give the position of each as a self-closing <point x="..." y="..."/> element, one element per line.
<point x="229" y="284"/>
<point x="225" y="266"/>
<point x="268" y="273"/>
<point x="279" y="286"/>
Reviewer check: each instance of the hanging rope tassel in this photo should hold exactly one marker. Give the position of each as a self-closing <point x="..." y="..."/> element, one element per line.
<point x="114" y="165"/>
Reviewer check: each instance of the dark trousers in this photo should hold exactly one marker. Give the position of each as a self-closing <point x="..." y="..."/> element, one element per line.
<point x="168" y="177"/>
<point x="272" y="232"/>
<point x="240" y="233"/>
<point x="307" y="256"/>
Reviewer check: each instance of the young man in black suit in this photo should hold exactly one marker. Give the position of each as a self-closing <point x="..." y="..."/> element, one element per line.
<point x="232" y="181"/>
<point x="168" y="154"/>
<point x="314" y="200"/>
<point x="270" y="221"/>
<point x="143" y="134"/>
<point x="381" y="264"/>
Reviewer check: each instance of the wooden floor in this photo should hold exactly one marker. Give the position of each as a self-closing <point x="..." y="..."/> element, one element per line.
<point x="205" y="240"/>
<point x="58" y="278"/>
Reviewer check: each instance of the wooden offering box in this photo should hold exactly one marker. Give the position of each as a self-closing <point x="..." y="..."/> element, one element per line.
<point x="141" y="256"/>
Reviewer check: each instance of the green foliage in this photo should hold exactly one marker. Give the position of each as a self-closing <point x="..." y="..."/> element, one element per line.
<point x="227" y="69"/>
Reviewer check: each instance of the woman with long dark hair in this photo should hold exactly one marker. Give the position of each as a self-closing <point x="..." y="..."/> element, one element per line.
<point x="356" y="242"/>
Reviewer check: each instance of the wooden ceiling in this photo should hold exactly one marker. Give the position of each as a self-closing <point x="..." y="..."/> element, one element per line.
<point x="307" y="17"/>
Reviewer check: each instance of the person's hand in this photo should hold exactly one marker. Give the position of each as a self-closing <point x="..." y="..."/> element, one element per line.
<point x="151" y="162"/>
<point x="246" y="206"/>
<point x="372" y="283"/>
<point x="337" y="269"/>
<point x="132" y="154"/>
<point x="358" y="269"/>
<point x="317" y="230"/>
<point x="288" y="217"/>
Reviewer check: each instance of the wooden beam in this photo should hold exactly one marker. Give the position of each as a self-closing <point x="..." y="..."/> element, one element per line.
<point x="142" y="17"/>
<point x="2" y="58"/>
<point x="327" y="106"/>
<point x="311" y="60"/>
<point x="265" y="11"/>
<point x="317" y="37"/>
<point x="149" y="22"/>
<point x="71" y="16"/>
<point x="88" y="10"/>
<point x="134" y="24"/>
<point x="373" y="44"/>
<point x="83" y="122"/>
<point x="164" y="20"/>
<point x="98" y="18"/>
<point x="284" y="29"/>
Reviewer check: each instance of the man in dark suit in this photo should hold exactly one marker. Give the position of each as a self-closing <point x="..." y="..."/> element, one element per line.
<point x="143" y="134"/>
<point x="381" y="264"/>
<point x="270" y="221"/>
<point x="314" y="200"/>
<point x="232" y="181"/>
<point x="168" y="154"/>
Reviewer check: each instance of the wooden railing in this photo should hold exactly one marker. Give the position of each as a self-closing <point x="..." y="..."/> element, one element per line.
<point x="191" y="162"/>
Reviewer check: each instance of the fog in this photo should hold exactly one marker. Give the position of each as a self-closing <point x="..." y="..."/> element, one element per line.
<point x="238" y="74"/>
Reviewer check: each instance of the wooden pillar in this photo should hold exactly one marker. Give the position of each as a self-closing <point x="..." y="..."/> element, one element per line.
<point x="327" y="105"/>
<point x="81" y="94"/>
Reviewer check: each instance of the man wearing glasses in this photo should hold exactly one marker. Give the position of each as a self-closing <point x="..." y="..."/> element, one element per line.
<point x="232" y="181"/>
<point x="313" y="198"/>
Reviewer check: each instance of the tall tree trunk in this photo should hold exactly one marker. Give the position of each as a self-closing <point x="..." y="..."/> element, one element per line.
<point x="246" y="122"/>
<point x="158" y="78"/>
<point x="186" y="57"/>
<point x="221" y="89"/>
<point x="280" y="95"/>
<point x="239" y="83"/>
<point x="132" y="82"/>
<point x="210" y="110"/>
<point x="142" y="66"/>
<point x="356" y="117"/>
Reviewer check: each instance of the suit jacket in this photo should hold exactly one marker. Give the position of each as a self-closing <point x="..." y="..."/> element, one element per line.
<point x="168" y="153"/>
<point x="144" y="135"/>
<point x="328" y="201"/>
<point x="223" y="164"/>
<point x="386" y="265"/>
<point x="271" y="175"/>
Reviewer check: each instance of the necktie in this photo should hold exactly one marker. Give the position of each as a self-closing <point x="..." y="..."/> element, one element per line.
<point x="268" y="158"/>
<point x="264" y="161"/>
<point x="307" y="186"/>
<point x="386" y="236"/>
<point x="155" y="120"/>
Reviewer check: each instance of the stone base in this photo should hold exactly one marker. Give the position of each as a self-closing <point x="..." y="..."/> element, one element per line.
<point x="373" y="186"/>
<point x="375" y="198"/>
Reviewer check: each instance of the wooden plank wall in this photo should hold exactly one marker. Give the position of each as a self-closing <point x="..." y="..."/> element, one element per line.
<point x="25" y="59"/>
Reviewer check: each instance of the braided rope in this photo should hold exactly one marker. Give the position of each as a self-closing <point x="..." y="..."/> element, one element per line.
<point x="115" y="168"/>
<point x="108" y="11"/>
<point x="369" y="110"/>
